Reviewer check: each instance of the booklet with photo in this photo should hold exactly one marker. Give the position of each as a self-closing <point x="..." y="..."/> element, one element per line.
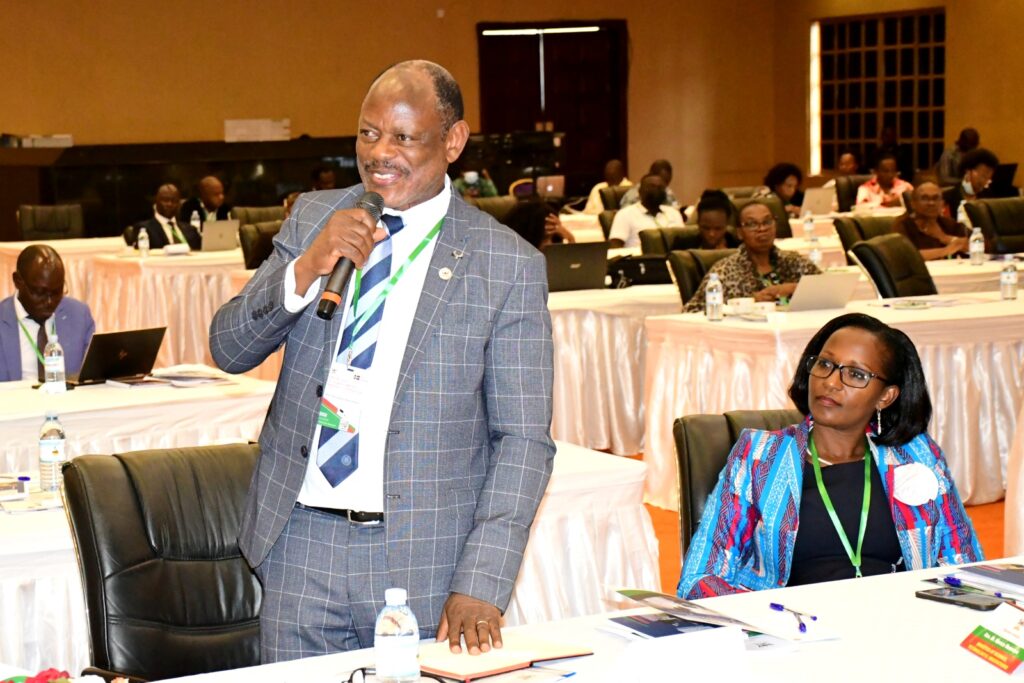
<point x="684" y="609"/>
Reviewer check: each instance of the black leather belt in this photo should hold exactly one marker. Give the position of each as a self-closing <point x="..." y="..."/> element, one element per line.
<point x="353" y="516"/>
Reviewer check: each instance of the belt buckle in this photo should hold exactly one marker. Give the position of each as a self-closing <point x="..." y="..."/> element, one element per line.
<point x="352" y="520"/>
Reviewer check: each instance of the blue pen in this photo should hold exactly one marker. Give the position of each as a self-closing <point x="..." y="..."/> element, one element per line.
<point x="778" y="607"/>
<point x="957" y="583"/>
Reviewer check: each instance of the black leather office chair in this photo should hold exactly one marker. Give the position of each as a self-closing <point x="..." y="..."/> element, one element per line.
<point x="846" y="190"/>
<point x="660" y="241"/>
<point x="705" y="258"/>
<point x="498" y="207"/>
<point x="258" y="242"/>
<point x="611" y="197"/>
<point x="605" y="219"/>
<point x="60" y="222"/>
<point x="703" y="443"/>
<point x="250" y="215"/>
<point x="129" y="235"/>
<point x="853" y="229"/>
<point x="156" y="533"/>
<point x="895" y="266"/>
<point x="1001" y="222"/>
<point x="741" y="192"/>
<point x="775" y="205"/>
<point x="685" y="274"/>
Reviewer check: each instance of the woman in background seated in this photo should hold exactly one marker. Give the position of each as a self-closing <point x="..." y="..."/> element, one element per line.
<point x="936" y="236"/>
<point x="885" y="188"/>
<point x="538" y="224"/>
<point x="858" y="488"/>
<point x="713" y="211"/>
<point x="783" y="180"/>
<point x="758" y="269"/>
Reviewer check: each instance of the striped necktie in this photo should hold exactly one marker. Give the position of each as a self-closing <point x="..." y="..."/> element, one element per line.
<point x="337" y="453"/>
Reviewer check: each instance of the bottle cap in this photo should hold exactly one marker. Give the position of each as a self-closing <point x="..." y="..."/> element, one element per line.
<point x="51" y="414"/>
<point x="24" y="478"/>
<point x="395" y="596"/>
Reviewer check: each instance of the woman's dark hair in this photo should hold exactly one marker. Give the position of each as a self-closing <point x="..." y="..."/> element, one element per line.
<point x="714" y="200"/>
<point x="975" y="158"/>
<point x="909" y="414"/>
<point x="778" y="173"/>
<point x="527" y="219"/>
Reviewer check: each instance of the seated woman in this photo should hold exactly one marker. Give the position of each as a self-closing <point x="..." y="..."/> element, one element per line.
<point x="538" y="224"/>
<point x="713" y="212"/>
<point x="858" y="488"/>
<point x="936" y="236"/>
<point x="783" y="180"/>
<point x="758" y="269"/>
<point x="885" y="188"/>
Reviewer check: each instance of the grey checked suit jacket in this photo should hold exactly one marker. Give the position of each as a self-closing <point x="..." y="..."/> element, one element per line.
<point x="469" y="450"/>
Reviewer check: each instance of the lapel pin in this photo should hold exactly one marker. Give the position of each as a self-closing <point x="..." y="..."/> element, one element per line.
<point x="445" y="273"/>
<point x="458" y="253"/>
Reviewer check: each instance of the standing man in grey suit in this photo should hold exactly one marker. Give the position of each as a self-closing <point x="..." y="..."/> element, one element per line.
<point x="408" y="442"/>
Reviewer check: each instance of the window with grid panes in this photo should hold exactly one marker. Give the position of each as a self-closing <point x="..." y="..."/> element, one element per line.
<point x="883" y="70"/>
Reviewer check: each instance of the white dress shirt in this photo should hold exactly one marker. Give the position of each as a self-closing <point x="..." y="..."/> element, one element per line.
<point x="631" y="220"/>
<point x="29" y="360"/>
<point x="363" y="490"/>
<point x="594" y="203"/>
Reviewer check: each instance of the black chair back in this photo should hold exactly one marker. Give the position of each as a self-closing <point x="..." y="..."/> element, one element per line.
<point x="250" y="215"/>
<point x="846" y="190"/>
<point x="660" y="241"/>
<point x="612" y="196"/>
<point x="63" y="221"/>
<point x="258" y="242"/>
<point x="740" y="192"/>
<point x="168" y="593"/>
<point x="705" y="258"/>
<point x="782" y="228"/>
<point x="497" y="207"/>
<point x="853" y="229"/>
<point x="895" y="266"/>
<point x="703" y="443"/>
<point x="684" y="273"/>
<point x="128" y="235"/>
<point x="606" y="218"/>
<point x="1001" y="221"/>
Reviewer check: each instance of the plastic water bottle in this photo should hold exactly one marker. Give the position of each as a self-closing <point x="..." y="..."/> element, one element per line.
<point x="814" y="255"/>
<point x="396" y="640"/>
<point x="142" y="242"/>
<point x="1008" y="279"/>
<point x="808" y="226"/>
<point x="977" y="247"/>
<point x="51" y="452"/>
<point x="53" y="367"/>
<point x="195" y="222"/>
<point x="713" y="298"/>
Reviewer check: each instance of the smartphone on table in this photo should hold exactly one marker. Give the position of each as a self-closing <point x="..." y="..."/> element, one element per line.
<point x="962" y="597"/>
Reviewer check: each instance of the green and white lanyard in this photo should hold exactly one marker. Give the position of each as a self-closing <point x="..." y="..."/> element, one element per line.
<point x="32" y="342"/>
<point x="360" y="321"/>
<point x="855" y="558"/>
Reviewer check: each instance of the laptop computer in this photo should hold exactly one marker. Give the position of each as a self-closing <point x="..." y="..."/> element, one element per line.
<point x="576" y="266"/>
<point x="819" y="201"/>
<point x="119" y="355"/>
<point x="819" y="292"/>
<point x="551" y="186"/>
<point x="220" y="235"/>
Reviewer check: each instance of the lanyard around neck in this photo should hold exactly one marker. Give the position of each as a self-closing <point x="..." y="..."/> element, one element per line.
<point x="360" y="320"/>
<point x="855" y="558"/>
<point x="32" y="342"/>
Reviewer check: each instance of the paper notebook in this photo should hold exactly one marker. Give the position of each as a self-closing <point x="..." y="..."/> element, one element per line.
<point x="519" y="651"/>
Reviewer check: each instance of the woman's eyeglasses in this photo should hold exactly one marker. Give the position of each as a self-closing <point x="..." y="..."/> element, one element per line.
<point x="766" y="224"/>
<point x="856" y="378"/>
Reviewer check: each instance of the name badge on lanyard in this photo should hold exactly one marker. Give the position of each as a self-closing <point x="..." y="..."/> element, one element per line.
<point x="342" y="402"/>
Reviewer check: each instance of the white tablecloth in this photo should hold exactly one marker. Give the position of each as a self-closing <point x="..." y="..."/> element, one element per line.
<point x="973" y="357"/>
<point x="181" y="292"/>
<point x="599" y="344"/>
<point x="951" y="276"/>
<point x="832" y="254"/>
<point x="103" y="419"/>
<point x="591" y="536"/>
<point x="76" y="254"/>
<point x="1013" y="510"/>
<point x="884" y="633"/>
<point x="584" y="227"/>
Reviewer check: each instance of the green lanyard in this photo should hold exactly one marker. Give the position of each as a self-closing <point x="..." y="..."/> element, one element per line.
<point x="360" y="320"/>
<point x="855" y="558"/>
<point x="32" y="342"/>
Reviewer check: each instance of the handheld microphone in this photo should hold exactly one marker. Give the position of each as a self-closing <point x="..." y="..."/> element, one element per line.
<point x="373" y="204"/>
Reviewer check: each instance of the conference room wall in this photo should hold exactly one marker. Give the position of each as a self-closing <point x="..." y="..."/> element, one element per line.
<point x="120" y="71"/>
<point x="984" y="68"/>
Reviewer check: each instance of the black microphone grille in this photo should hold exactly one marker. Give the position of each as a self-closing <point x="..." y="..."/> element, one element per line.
<point x="373" y="204"/>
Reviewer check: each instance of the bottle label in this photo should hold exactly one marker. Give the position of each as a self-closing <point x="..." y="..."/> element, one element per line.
<point x="53" y="363"/>
<point x="397" y="657"/>
<point x="1009" y="277"/>
<point x="714" y="298"/>
<point x="51" y="451"/>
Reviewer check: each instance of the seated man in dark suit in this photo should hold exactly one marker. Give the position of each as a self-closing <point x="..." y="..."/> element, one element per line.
<point x="209" y="205"/>
<point x="164" y="228"/>
<point x="37" y="313"/>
